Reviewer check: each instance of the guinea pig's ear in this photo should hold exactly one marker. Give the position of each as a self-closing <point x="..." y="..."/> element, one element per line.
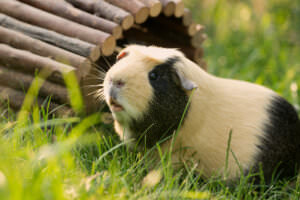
<point x="183" y="82"/>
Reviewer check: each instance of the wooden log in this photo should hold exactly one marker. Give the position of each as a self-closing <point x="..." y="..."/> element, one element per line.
<point x="66" y="10"/>
<point x="187" y="18"/>
<point x="198" y="39"/>
<point x="155" y="7"/>
<point x="87" y="5"/>
<point x="12" y="97"/>
<point x="173" y="7"/>
<point x="15" y="99"/>
<point x="46" y="20"/>
<point x="108" y="11"/>
<point x="114" y="13"/>
<point x="197" y="28"/>
<point x="179" y="8"/>
<point x="135" y="7"/>
<point x="20" y="81"/>
<point x="21" y="41"/>
<point x="168" y="7"/>
<point x="192" y="29"/>
<point x="185" y="21"/>
<point x="71" y="44"/>
<point x="28" y="62"/>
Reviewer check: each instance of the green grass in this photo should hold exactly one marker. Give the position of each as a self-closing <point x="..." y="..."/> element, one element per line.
<point x="44" y="157"/>
<point x="256" y="41"/>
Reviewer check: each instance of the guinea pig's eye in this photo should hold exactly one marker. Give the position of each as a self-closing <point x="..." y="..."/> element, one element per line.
<point x="153" y="76"/>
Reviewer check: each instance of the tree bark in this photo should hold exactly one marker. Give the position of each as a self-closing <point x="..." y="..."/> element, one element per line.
<point x="87" y="5"/>
<point x="168" y="7"/>
<point x="15" y="99"/>
<point x="46" y="20"/>
<point x="71" y="44"/>
<point x="187" y="18"/>
<point x="28" y="62"/>
<point x="135" y="7"/>
<point x="179" y="8"/>
<point x="22" y="82"/>
<point x="21" y="41"/>
<point x="66" y="10"/>
<point x="155" y="7"/>
<point x="198" y="39"/>
<point x="108" y="11"/>
<point x="173" y="7"/>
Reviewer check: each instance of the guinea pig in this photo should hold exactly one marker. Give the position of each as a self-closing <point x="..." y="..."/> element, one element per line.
<point x="151" y="91"/>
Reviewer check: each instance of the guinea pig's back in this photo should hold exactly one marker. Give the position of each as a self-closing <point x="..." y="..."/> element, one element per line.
<point x="226" y="106"/>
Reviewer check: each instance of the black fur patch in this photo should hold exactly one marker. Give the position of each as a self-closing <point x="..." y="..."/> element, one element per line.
<point x="280" y="149"/>
<point x="166" y="108"/>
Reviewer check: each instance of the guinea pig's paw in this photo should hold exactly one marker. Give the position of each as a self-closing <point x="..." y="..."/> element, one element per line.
<point x="152" y="178"/>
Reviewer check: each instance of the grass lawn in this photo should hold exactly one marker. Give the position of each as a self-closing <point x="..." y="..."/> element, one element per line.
<point x="43" y="157"/>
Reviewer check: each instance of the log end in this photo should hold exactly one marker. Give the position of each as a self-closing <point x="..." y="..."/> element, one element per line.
<point x="156" y="9"/>
<point x="117" y="32"/>
<point x="127" y="22"/>
<point x="179" y="9"/>
<point x="84" y="68"/>
<point x="94" y="53"/>
<point x="142" y="15"/>
<point x="187" y="18"/>
<point x="198" y="39"/>
<point x="192" y="29"/>
<point x="200" y="28"/>
<point x="108" y="46"/>
<point x="169" y="9"/>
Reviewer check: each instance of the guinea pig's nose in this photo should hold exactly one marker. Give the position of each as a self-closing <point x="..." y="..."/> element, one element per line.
<point x="118" y="83"/>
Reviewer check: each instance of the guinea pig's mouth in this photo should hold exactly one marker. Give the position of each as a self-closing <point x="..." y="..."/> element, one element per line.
<point x="115" y="106"/>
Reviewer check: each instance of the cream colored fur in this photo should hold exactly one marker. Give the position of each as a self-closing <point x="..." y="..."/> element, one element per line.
<point x="218" y="106"/>
<point x="135" y="96"/>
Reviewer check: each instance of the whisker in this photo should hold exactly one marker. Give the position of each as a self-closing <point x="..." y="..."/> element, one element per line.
<point x="91" y="86"/>
<point x="93" y="93"/>
<point x="98" y="68"/>
<point x="97" y="73"/>
<point x="106" y="61"/>
<point x="100" y="99"/>
<point x="99" y="91"/>
<point x="100" y="96"/>
<point x="100" y="84"/>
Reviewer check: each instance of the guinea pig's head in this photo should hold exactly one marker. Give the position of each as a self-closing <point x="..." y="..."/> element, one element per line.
<point x="147" y="92"/>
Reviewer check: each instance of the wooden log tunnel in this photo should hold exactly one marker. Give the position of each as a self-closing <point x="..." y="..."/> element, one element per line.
<point x="83" y="36"/>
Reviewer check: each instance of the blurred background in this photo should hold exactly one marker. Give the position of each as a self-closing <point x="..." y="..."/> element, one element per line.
<point x="253" y="40"/>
